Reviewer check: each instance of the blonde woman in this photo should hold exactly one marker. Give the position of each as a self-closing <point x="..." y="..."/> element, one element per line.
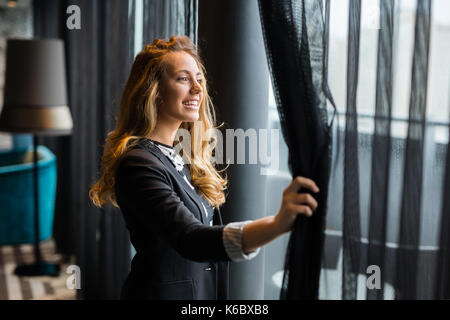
<point x="171" y="207"/>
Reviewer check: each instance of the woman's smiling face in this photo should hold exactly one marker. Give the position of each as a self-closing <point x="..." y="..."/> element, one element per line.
<point x="180" y="89"/>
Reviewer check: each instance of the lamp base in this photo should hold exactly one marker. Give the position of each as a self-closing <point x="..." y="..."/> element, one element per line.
<point x="38" y="269"/>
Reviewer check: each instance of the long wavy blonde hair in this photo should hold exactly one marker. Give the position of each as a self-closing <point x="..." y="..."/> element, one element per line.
<point x="138" y="116"/>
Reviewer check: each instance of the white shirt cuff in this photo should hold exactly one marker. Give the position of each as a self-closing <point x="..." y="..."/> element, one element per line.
<point x="232" y="241"/>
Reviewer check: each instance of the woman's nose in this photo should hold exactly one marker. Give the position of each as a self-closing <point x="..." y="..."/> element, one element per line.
<point x="196" y="87"/>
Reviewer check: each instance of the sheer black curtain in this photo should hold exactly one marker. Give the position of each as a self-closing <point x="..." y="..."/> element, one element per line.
<point x="407" y="188"/>
<point x="294" y="37"/>
<point x="407" y="256"/>
<point x="389" y="194"/>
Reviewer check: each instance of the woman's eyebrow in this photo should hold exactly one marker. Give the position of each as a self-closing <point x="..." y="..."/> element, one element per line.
<point x="186" y="71"/>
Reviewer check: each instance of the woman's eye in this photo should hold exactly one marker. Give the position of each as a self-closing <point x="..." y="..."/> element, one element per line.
<point x="187" y="79"/>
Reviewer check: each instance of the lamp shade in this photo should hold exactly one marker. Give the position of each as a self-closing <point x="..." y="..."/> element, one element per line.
<point x="35" y="95"/>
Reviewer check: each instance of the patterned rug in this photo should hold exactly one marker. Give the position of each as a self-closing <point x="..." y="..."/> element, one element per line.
<point x="13" y="287"/>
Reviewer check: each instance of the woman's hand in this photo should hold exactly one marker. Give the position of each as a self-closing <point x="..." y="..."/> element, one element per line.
<point x="294" y="203"/>
<point x="260" y="232"/>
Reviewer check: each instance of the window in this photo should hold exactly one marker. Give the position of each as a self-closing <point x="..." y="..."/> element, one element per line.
<point x="439" y="65"/>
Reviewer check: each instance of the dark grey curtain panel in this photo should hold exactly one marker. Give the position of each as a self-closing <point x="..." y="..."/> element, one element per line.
<point x="389" y="194"/>
<point x="295" y="39"/>
<point x="166" y="18"/>
<point x="98" y="58"/>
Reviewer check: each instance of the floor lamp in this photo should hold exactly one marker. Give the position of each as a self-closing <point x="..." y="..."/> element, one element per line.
<point x="35" y="102"/>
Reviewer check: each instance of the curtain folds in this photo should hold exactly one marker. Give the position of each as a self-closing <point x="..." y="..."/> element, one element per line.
<point x="294" y="37"/>
<point x="381" y="142"/>
<point x="165" y="18"/>
<point x="410" y="218"/>
<point x="98" y="60"/>
<point x="351" y="211"/>
<point x="390" y="185"/>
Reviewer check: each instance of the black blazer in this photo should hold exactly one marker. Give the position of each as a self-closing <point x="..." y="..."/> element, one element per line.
<point x="178" y="254"/>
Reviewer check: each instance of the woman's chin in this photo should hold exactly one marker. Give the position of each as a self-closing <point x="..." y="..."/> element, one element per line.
<point x="192" y="117"/>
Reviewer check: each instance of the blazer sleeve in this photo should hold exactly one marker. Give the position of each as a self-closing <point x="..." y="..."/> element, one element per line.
<point x="146" y="187"/>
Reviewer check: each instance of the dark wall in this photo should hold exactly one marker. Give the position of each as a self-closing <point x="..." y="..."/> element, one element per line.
<point x="231" y="43"/>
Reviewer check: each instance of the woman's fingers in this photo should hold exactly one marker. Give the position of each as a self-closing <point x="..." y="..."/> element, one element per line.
<point x="301" y="182"/>
<point x="302" y="209"/>
<point x="302" y="199"/>
<point x="295" y="203"/>
<point x="305" y="198"/>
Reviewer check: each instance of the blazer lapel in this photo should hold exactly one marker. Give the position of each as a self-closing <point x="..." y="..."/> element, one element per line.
<point x="186" y="185"/>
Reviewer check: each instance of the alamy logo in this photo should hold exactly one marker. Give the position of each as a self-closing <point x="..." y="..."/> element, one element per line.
<point x="74" y="20"/>
<point x="374" y="281"/>
<point x="232" y="148"/>
<point x="74" y="280"/>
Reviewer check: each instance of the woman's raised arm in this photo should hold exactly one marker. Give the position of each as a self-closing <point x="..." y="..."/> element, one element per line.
<point x="262" y="231"/>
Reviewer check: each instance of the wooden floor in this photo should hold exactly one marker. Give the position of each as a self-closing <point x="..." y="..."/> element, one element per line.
<point x="13" y="287"/>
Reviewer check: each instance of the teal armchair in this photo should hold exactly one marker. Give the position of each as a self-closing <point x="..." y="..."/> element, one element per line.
<point x="17" y="197"/>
